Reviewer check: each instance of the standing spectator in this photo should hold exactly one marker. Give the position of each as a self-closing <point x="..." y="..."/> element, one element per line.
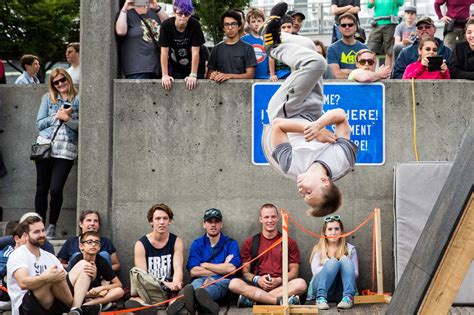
<point x="58" y="117"/>
<point x="279" y="70"/>
<point x="3" y="78"/>
<point x="242" y="19"/>
<point x="297" y="19"/>
<point x="457" y="14"/>
<point x="181" y="38"/>
<point x="321" y="49"/>
<point x="421" y="69"/>
<point x="339" y="7"/>
<point x="365" y="72"/>
<point x="385" y="20"/>
<point x="425" y="28"/>
<point x="341" y="54"/>
<point x="73" y="58"/>
<point x="231" y="58"/>
<point x="255" y="19"/>
<point x="31" y="66"/>
<point x="139" y="28"/>
<point x="461" y="64"/>
<point x="405" y="32"/>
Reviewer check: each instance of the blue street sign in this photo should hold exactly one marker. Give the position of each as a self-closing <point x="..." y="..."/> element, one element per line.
<point x="364" y="105"/>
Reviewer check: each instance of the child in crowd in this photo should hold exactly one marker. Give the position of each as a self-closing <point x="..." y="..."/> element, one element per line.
<point x="279" y="70"/>
<point x="296" y="119"/>
<point x="255" y="19"/>
<point x="420" y="69"/>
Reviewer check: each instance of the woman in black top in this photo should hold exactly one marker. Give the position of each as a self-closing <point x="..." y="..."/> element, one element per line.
<point x="461" y="64"/>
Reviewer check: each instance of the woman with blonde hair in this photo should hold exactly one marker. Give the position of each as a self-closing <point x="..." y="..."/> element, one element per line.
<point x="57" y="122"/>
<point x="334" y="265"/>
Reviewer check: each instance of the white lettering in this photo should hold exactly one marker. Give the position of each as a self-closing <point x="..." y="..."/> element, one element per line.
<point x="362" y="144"/>
<point x="362" y="114"/>
<point x="360" y="130"/>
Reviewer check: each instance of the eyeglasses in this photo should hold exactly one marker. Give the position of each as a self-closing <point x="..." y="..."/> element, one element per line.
<point x="332" y="218"/>
<point x="423" y="27"/>
<point x="364" y="62"/>
<point x="430" y="49"/>
<point x="344" y="25"/>
<point x="91" y="242"/>
<point x="62" y="80"/>
<point x="233" y="24"/>
<point x="182" y="14"/>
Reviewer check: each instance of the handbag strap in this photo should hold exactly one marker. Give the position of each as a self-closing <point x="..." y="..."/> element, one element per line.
<point x="56" y="131"/>
<point x="152" y="34"/>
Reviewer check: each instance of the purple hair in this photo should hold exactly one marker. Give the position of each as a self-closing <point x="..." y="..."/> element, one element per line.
<point x="185" y="6"/>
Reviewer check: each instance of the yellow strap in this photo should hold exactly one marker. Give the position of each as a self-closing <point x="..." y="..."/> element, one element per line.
<point x="415" y="146"/>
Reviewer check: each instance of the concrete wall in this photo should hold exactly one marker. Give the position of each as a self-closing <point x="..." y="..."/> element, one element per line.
<point x="192" y="150"/>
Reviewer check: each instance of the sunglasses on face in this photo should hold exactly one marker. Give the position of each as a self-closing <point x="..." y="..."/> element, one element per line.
<point x="344" y="25"/>
<point x="423" y="27"/>
<point x="364" y="62"/>
<point x="332" y="218"/>
<point x="428" y="49"/>
<point x="91" y="242"/>
<point x="62" y="80"/>
<point x="182" y="14"/>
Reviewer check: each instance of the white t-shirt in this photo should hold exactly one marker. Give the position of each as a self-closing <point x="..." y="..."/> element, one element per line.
<point x="23" y="258"/>
<point x="74" y="73"/>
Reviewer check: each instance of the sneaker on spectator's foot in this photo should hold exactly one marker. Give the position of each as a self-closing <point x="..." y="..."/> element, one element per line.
<point x="294" y="300"/>
<point x="270" y="31"/>
<point x="51" y="232"/>
<point x="91" y="309"/>
<point x="279" y="9"/>
<point x="106" y="307"/>
<point x="322" y="303"/>
<point x="75" y="311"/>
<point x="175" y="307"/>
<point x="244" y="301"/>
<point x="206" y="305"/>
<point x="5" y="305"/>
<point x="346" y="302"/>
<point x="134" y="304"/>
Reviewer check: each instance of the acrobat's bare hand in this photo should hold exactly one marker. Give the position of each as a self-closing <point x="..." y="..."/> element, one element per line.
<point x="325" y="135"/>
<point x="312" y="131"/>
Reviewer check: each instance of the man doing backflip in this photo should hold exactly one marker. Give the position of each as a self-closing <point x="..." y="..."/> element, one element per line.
<point x="297" y="143"/>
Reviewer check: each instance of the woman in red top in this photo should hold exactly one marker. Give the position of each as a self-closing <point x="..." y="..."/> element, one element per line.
<point x="419" y="70"/>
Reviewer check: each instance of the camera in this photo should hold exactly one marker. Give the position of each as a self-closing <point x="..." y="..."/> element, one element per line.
<point x="141" y="3"/>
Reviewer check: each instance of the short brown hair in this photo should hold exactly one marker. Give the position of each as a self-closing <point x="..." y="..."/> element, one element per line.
<point x="85" y="213"/>
<point x="268" y="205"/>
<point x="18" y="230"/>
<point x="27" y="60"/>
<point x="89" y="233"/>
<point x="74" y="45"/>
<point x="469" y="22"/>
<point x="331" y="202"/>
<point x="363" y="51"/>
<point x="320" y="44"/>
<point x="347" y="16"/>
<point x="25" y="225"/>
<point x="162" y="207"/>
<point x="254" y="13"/>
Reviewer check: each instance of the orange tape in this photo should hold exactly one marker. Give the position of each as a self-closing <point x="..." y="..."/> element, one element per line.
<point x="3" y="289"/>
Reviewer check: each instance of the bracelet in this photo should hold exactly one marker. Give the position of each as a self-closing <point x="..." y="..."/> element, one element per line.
<point x="158" y="10"/>
<point x="193" y="74"/>
<point x="255" y="280"/>
<point x="124" y="11"/>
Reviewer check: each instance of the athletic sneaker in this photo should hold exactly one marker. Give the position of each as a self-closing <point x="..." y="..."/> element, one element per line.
<point x="322" y="303"/>
<point x="107" y="306"/>
<point x="270" y="31"/>
<point x="205" y="303"/>
<point x="244" y="301"/>
<point x="187" y="301"/>
<point x="136" y="304"/>
<point x="91" y="309"/>
<point x="75" y="311"/>
<point x="175" y="307"/>
<point x="346" y="302"/>
<point x="51" y="232"/>
<point x="279" y="9"/>
<point x="294" y="300"/>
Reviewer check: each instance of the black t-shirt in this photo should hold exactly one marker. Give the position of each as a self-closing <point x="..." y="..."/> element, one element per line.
<point x="180" y="43"/>
<point x="234" y="58"/>
<point x="343" y="3"/>
<point x="104" y="270"/>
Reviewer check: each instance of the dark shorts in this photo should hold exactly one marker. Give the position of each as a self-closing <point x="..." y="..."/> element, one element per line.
<point x="381" y="39"/>
<point x="31" y="306"/>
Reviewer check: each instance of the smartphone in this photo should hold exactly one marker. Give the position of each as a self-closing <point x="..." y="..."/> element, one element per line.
<point x="269" y="279"/>
<point x="434" y="63"/>
<point x="141" y="3"/>
<point x="67" y="105"/>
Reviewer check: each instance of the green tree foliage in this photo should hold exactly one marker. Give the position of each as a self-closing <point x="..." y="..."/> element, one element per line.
<point x="38" y="27"/>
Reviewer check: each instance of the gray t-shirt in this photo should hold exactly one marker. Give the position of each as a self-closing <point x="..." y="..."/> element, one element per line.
<point x="403" y="31"/>
<point x="232" y="58"/>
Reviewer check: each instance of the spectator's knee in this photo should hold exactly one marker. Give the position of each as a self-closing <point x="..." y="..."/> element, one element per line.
<point x="235" y="284"/>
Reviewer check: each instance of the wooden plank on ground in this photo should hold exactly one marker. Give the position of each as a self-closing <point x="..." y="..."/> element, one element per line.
<point x="439" y="230"/>
<point x="365" y="299"/>
<point x="303" y="309"/>
<point x="271" y="309"/>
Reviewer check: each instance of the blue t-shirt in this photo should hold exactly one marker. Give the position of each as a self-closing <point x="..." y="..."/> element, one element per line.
<point x="343" y="54"/>
<point x="262" y="71"/>
<point x="201" y="251"/>
<point x="71" y="246"/>
<point x="4" y="254"/>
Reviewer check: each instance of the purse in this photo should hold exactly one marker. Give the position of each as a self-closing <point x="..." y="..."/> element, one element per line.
<point x="43" y="151"/>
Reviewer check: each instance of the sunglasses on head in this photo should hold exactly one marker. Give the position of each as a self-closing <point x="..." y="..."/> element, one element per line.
<point x="332" y="218"/>
<point x="364" y="62"/>
<point x="423" y="27"/>
<point x="62" y="80"/>
<point x="344" y="25"/>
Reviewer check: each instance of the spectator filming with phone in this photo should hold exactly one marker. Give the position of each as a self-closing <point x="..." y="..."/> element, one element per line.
<point x="429" y="65"/>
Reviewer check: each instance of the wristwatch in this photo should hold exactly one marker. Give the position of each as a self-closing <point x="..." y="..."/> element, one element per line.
<point x="159" y="9"/>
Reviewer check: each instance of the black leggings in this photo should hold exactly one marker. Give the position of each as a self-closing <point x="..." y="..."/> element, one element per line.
<point x="51" y="176"/>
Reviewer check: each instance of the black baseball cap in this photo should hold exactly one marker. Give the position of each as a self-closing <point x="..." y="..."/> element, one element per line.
<point x="293" y="13"/>
<point x="212" y="213"/>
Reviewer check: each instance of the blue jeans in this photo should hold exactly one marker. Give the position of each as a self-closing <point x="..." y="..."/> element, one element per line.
<point x="104" y="255"/>
<point x="336" y="277"/>
<point x="216" y="291"/>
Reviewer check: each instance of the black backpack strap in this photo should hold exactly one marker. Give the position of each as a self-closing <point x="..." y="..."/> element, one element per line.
<point x="254" y="253"/>
<point x="218" y="250"/>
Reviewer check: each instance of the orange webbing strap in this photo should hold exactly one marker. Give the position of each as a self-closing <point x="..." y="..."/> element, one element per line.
<point x="3" y="289"/>
<point x="277" y="242"/>
<point x="302" y="228"/>
<point x="284" y="220"/>
<point x="374" y="233"/>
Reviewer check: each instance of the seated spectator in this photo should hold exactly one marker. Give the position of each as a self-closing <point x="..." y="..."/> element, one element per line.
<point x="38" y="283"/>
<point x="425" y="28"/>
<point x="31" y="66"/>
<point x="279" y="70"/>
<point x="461" y="64"/>
<point x="335" y="267"/>
<point x="106" y="286"/>
<point x="159" y="261"/>
<point x="231" y="58"/>
<point x="321" y="49"/>
<point x="9" y="240"/>
<point x="139" y="29"/>
<point x="297" y="18"/>
<point x="181" y="39"/>
<point x="341" y="54"/>
<point x="262" y="280"/>
<point x="89" y="220"/>
<point x="255" y="19"/>
<point x="210" y="257"/>
<point x="73" y="58"/>
<point x="365" y="72"/>
<point x="405" y="32"/>
<point x="421" y="69"/>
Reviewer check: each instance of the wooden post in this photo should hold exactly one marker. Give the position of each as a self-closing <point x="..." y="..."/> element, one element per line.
<point x="284" y="245"/>
<point x="378" y="250"/>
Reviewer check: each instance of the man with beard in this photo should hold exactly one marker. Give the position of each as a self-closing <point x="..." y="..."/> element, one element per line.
<point x="38" y="283"/>
<point x="262" y="281"/>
